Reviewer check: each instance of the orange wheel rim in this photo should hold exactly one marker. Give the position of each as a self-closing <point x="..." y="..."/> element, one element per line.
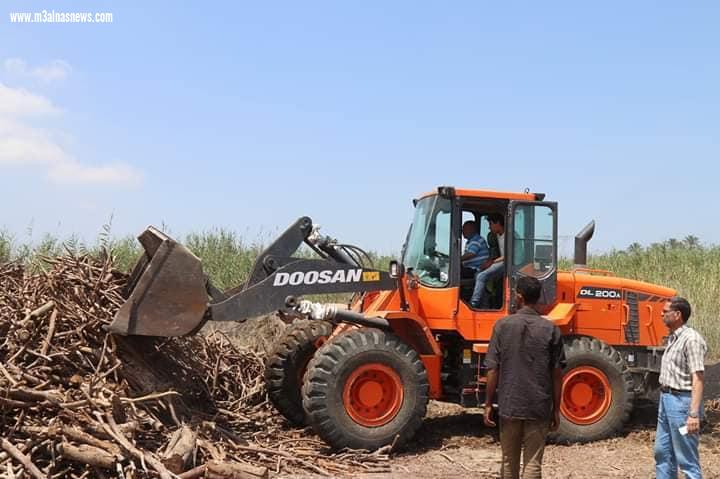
<point x="586" y="395"/>
<point x="373" y="395"/>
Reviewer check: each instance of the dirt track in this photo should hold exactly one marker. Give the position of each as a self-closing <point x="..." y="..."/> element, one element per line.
<point x="453" y="442"/>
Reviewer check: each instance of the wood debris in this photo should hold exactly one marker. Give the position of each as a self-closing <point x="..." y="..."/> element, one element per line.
<point x="78" y="402"/>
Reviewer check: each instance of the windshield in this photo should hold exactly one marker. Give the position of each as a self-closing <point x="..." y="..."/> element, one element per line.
<point x="428" y="246"/>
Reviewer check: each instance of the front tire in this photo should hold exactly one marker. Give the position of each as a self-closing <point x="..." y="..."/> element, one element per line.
<point x="364" y="389"/>
<point x="286" y="366"/>
<point x="597" y="393"/>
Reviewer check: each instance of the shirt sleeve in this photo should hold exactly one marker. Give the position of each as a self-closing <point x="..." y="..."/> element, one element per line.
<point x="492" y="359"/>
<point x="695" y="350"/>
<point x="475" y="246"/>
<point x="557" y="350"/>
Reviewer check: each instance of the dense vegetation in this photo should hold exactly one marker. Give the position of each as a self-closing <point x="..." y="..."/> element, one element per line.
<point x="686" y="265"/>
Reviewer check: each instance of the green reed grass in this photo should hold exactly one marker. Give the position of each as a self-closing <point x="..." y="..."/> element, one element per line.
<point x="687" y="266"/>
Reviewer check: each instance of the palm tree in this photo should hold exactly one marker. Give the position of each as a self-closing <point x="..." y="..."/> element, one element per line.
<point x="692" y="241"/>
<point x="635" y="248"/>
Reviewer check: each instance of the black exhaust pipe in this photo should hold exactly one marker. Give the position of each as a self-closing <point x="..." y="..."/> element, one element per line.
<point x="581" y="241"/>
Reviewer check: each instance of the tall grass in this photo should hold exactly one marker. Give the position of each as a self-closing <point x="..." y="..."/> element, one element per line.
<point x="690" y="268"/>
<point x="687" y="266"/>
<point x="226" y="256"/>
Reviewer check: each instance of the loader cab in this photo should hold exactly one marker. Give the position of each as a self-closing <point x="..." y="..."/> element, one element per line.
<point x="428" y="250"/>
<point x="435" y="244"/>
<point x="527" y="246"/>
<point x="480" y="215"/>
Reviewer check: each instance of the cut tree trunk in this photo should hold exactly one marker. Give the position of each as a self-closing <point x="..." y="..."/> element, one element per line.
<point x="180" y="450"/>
<point x="86" y="454"/>
<point x="234" y="470"/>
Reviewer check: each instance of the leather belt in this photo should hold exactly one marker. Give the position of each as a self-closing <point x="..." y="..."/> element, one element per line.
<point x="669" y="390"/>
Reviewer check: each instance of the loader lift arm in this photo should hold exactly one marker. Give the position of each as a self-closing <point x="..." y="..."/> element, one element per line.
<point x="169" y="295"/>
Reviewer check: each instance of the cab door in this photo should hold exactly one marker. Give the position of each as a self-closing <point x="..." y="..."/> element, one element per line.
<point x="531" y="246"/>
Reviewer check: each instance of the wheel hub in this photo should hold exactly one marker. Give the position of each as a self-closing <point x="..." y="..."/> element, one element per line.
<point x="586" y="395"/>
<point x="373" y="395"/>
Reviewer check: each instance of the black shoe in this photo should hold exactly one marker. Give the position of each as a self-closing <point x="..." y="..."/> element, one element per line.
<point x="475" y="304"/>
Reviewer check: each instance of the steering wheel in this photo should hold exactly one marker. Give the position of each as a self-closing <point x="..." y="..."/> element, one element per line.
<point x="439" y="255"/>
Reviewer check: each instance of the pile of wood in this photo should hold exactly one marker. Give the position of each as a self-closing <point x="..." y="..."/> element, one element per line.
<point x="76" y="401"/>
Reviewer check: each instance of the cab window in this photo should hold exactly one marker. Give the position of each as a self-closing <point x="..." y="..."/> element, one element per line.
<point x="533" y="240"/>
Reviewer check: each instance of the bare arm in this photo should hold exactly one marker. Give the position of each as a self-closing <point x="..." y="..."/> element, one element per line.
<point x="698" y="383"/>
<point x="486" y="264"/>
<point x="492" y="380"/>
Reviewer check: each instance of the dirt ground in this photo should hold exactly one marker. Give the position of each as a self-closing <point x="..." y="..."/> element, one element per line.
<point x="453" y="442"/>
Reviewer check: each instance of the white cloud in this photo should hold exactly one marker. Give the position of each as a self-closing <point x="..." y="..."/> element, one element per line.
<point x="24" y="144"/>
<point x="20" y="102"/>
<point x="56" y="70"/>
<point x="15" y="66"/>
<point x="72" y="172"/>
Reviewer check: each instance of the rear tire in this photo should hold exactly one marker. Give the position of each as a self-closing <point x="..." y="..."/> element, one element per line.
<point x="364" y="389"/>
<point x="285" y="368"/>
<point x="598" y="393"/>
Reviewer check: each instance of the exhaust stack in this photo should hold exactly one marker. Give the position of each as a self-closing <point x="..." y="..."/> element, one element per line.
<point x="581" y="241"/>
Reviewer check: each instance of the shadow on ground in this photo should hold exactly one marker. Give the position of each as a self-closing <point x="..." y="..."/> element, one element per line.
<point x="449" y="423"/>
<point x="455" y="429"/>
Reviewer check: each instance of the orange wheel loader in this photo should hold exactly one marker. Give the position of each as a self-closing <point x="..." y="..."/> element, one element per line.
<point x="362" y="375"/>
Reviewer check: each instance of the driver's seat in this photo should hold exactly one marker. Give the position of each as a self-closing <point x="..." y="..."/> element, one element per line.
<point x="493" y="290"/>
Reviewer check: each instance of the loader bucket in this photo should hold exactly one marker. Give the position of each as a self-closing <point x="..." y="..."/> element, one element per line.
<point x="166" y="294"/>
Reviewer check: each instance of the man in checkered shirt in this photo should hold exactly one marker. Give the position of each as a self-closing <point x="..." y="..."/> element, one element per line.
<point x="681" y="390"/>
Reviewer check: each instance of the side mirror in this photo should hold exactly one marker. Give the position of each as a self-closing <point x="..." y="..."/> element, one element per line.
<point x="397" y="270"/>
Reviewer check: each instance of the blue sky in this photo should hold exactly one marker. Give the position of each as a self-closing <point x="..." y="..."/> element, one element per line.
<point x="247" y="115"/>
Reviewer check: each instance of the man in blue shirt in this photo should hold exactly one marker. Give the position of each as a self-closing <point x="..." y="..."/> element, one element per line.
<point x="474" y="258"/>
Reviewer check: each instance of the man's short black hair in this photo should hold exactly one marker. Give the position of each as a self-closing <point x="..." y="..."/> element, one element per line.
<point x="496" y="218"/>
<point x="683" y="305"/>
<point x="530" y="289"/>
<point x="470" y="223"/>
